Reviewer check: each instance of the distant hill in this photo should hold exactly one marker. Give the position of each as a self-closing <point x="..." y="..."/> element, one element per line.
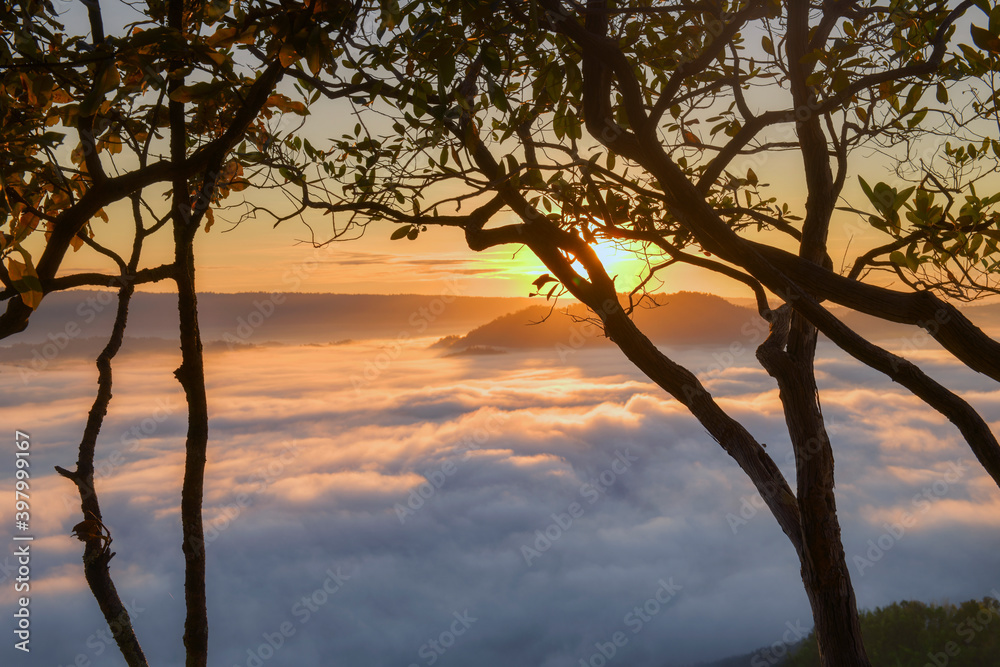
<point x="298" y="318"/>
<point x="986" y="316"/>
<point x="684" y="318"/>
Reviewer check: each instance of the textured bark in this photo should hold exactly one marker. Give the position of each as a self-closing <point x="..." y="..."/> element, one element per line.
<point x="191" y="373"/>
<point x="97" y="554"/>
<point x="789" y="356"/>
<point x="599" y="295"/>
<point x="817" y="536"/>
<point x="943" y="321"/>
<point x="825" y="572"/>
<point x="803" y="281"/>
<point x="970" y="423"/>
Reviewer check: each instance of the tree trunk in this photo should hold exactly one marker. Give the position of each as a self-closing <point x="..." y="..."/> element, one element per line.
<point x="191" y="375"/>
<point x="810" y="520"/>
<point x="97" y="552"/>
<point x="788" y="356"/>
<point x="683" y="385"/>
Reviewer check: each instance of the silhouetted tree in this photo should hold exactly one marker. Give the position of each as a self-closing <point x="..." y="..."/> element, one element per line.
<point x="167" y="106"/>
<point x="557" y="124"/>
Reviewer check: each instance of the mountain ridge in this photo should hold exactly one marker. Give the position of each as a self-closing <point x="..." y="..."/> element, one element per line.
<point x="681" y="318"/>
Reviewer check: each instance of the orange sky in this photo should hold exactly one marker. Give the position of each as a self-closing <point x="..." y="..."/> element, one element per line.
<point x="256" y="257"/>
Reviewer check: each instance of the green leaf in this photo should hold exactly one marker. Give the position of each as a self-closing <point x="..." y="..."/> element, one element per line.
<point x="916" y="118"/>
<point x="215" y="10"/>
<point x="315" y="53"/>
<point x="512" y="164"/>
<point x="25" y="280"/>
<point x="197" y="91"/>
<point x="977" y="240"/>
<point x="902" y="197"/>
<point x="497" y="96"/>
<point x="492" y="61"/>
<point x="913" y="97"/>
<point x="447" y="71"/>
<point x="866" y="188"/>
<point x="985" y="39"/>
<point x="401" y="232"/>
<point x="885" y="196"/>
<point x="852" y="210"/>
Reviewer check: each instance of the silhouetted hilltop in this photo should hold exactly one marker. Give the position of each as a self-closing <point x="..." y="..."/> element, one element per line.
<point x="986" y="316"/>
<point x="683" y="318"/>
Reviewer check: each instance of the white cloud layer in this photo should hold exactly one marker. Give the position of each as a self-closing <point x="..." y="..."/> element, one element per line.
<point x="368" y="523"/>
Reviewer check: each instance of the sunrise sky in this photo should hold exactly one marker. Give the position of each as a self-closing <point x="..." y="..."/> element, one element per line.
<point x="255" y="257"/>
<point x="330" y="416"/>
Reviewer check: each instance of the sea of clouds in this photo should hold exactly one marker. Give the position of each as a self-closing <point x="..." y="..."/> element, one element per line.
<point x="374" y="503"/>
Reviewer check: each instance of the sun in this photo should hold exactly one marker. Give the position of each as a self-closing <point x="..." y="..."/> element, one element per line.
<point x="619" y="262"/>
<point x="609" y="254"/>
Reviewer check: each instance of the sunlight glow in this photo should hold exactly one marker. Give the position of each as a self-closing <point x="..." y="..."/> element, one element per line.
<point x="622" y="264"/>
